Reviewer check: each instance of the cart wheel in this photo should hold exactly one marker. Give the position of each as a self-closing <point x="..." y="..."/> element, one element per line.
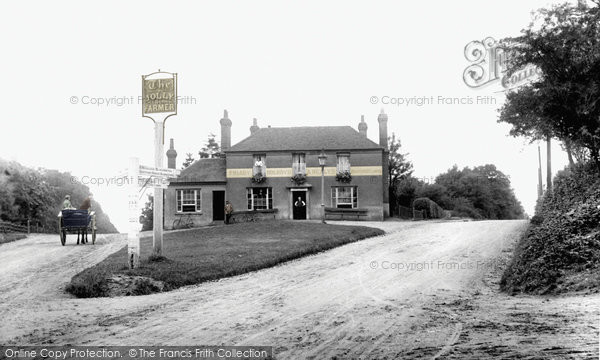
<point x="93" y="236"/>
<point x="63" y="237"/>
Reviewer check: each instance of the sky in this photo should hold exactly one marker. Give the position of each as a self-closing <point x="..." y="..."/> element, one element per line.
<point x="72" y="78"/>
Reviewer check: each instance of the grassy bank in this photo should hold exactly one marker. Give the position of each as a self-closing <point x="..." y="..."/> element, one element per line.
<point x="205" y="254"/>
<point x="560" y="252"/>
<point x="9" y="237"/>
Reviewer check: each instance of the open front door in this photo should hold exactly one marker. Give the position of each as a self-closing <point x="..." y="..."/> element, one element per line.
<point x="299" y="205"/>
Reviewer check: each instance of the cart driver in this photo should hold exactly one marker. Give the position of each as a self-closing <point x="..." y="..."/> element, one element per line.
<point x="67" y="203"/>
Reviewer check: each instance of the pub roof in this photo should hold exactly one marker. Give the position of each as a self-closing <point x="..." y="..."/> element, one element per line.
<point x="305" y="138"/>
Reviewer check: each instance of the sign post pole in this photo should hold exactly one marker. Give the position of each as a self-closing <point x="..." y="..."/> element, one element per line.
<point x="157" y="238"/>
<point x="133" y="234"/>
<point x="159" y="99"/>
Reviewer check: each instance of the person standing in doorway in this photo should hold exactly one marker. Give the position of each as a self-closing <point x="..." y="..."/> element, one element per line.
<point x="300" y="209"/>
<point x="228" y="211"/>
<point x="299" y="203"/>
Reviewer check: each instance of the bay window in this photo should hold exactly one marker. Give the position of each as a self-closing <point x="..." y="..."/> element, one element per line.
<point x="260" y="198"/>
<point x="344" y="197"/>
<point x="189" y="200"/>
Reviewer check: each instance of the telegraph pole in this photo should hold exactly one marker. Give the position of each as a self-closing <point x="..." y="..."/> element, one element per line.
<point x="548" y="163"/>
<point x="540" y="186"/>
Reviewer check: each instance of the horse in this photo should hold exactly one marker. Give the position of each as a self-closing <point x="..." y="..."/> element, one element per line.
<point x="85" y="205"/>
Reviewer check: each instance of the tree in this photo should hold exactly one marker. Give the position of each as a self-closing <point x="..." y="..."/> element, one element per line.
<point x="188" y="160"/>
<point x="485" y="188"/>
<point x="399" y="168"/>
<point x="211" y="148"/>
<point x="563" y="42"/>
<point x="147" y="217"/>
<point x="37" y="195"/>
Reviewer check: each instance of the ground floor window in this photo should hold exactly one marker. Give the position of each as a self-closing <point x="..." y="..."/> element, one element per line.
<point x="260" y="198"/>
<point x="344" y="197"/>
<point x="189" y="200"/>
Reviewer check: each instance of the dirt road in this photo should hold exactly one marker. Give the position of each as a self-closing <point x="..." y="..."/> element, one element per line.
<point x="424" y="290"/>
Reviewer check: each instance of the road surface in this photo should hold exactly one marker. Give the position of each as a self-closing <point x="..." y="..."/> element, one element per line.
<point x="423" y="290"/>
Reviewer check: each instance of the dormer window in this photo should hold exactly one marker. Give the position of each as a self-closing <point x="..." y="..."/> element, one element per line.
<point x="343" y="163"/>
<point x="299" y="164"/>
<point x="260" y="166"/>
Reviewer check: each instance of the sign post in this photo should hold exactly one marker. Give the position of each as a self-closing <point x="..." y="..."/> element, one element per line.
<point x="134" y="226"/>
<point x="159" y="99"/>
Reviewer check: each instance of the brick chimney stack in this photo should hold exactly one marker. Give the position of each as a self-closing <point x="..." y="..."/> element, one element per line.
<point x="362" y="126"/>
<point x="383" y="133"/>
<point x="172" y="156"/>
<point x="254" y="128"/>
<point x="225" y="131"/>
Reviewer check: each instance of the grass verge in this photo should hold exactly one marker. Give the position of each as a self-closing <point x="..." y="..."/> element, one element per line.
<point x="199" y="255"/>
<point x="9" y="237"/>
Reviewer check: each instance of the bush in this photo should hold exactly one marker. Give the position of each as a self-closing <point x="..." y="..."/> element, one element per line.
<point x="431" y="209"/>
<point x="537" y="219"/>
<point x="92" y="283"/>
<point x="144" y="286"/>
<point x="563" y="240"/>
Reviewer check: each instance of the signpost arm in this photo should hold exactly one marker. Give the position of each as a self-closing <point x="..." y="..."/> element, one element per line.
<point x="157" y="238"/>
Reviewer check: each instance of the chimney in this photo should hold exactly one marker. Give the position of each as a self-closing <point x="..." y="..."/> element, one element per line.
<point x="383" y="136"/>
<point x="362" y="126"/>
<point x="171" y="156"/>
<point x="225" y="132"/>
<point x="254" y="128"/>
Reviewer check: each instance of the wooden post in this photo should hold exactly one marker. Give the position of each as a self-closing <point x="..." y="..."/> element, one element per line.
<point x="549" y="163"/>
<point x="133" y="235"/>
<point x="157" y="238"/>
<point x="323" y="194"/>
<point x="28" y="226"/>
<point x="540" y="186"/>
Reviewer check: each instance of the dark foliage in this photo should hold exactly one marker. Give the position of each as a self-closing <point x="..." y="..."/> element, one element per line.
<point x="563" y="241"/>
<point x="483" y="192"/>
<point x="38" y="194"/>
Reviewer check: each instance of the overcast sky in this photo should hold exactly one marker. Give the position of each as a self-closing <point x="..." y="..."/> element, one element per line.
<point x="285" y="63"/>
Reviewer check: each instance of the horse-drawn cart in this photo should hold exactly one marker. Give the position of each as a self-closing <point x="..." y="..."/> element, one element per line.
<point x="77" y="221"/>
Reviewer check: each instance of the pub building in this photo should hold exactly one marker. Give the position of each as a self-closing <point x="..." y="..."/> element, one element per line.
<point x="275" y="173"/>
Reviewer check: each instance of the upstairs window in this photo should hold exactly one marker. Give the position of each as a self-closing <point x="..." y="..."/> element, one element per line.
<point x="260" y="198"/>
<point x="343" y="163"/>
<point x="344" y="197"/>
<point x="299" y="164"/>
<point x="189" y="200"/>
<point x="260" y="165"/>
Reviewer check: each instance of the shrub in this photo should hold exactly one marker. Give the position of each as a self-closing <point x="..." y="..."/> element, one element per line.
<point x="537" y="219"/>
<point x="563" y="239"/>
<point x="431" y="209"/>
<point x="91" y="283"/>
<point x="144" y="286"/>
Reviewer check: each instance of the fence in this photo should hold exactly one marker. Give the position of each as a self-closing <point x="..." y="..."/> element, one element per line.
<point x="404" y="212"/>
<point x="418" y="215"/>
<point x="8" y="227"/>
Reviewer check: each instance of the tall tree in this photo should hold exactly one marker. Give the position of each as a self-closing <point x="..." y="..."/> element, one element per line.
<point x="147" y="217"/>
<point x="211" y="148"/>
<point x="188" y="160"/>
<point x="399" y="168"/>
<point x="563" y="42"/>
